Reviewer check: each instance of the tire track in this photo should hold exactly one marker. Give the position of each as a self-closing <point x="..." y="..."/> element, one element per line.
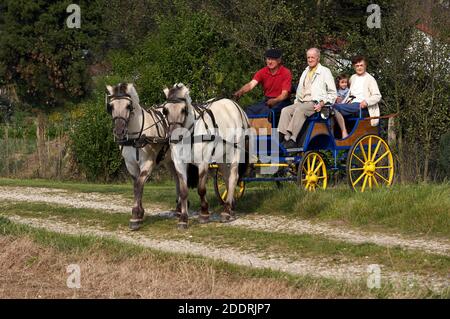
<point x="117" y="204"/>
<point x="322" y="268"/>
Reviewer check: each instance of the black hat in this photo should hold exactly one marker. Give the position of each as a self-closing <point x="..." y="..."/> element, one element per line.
<point x="273" y="53"/>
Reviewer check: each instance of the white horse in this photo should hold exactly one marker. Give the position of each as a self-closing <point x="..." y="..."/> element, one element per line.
<point x="210" y="132"/>
<point x="142" y="136"/>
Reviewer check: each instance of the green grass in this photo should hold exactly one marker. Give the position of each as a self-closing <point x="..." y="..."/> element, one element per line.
<point x="291" y="246"/>
<point x="409" y="209"/>
<point x="71" y="244"/>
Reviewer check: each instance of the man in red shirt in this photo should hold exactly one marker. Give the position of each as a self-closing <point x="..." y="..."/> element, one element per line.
<point x="276" y="82"/>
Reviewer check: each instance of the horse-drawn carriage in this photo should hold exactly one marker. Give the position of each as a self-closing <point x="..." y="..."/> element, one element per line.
<point x="364" y="155"/>
<point x="164" y="134"/>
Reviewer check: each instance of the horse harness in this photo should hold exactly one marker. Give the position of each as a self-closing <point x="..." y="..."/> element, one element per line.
<point x="201" y="109"/>
<point x="142" y="140"/>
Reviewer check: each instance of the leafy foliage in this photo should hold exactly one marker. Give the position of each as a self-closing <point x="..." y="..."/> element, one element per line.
<point x="92" y="142"/>
<point x="187" y="48"/>
<point x="216" y="46"/>
<point x="46" y="60"/>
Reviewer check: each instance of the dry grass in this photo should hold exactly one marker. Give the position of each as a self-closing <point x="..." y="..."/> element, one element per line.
<point x="30" y="270"/>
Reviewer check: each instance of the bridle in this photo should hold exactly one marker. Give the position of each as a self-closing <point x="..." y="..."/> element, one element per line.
<point x="175" y="101"/>
<point x="182" y="124"/>
<point x="112" y="98"/>
<point x="132" y="141"/>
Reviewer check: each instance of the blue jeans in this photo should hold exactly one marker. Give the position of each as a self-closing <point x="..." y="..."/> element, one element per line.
<point x="261" y="107"/>
<point x="350" y="109"/>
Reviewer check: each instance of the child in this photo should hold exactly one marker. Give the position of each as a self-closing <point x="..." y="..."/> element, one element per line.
<point x="342" y="92"/>
<point x="342" y="87"/>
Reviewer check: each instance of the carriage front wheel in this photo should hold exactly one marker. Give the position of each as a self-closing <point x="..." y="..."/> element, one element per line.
<point x="370" y="163"/>
<point x="221" y="189"/>
<point x="312" y="172"/>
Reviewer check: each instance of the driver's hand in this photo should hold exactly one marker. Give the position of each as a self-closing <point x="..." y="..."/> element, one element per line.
<point x="237" y="95"/>
<point x="363" y="104"/>
<point x="271" y="102"/>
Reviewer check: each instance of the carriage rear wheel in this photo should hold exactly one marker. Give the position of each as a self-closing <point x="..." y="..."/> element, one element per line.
<point x="312" y="172"/>
<point x="370" y="163"/>
<point x="221" y="189"/>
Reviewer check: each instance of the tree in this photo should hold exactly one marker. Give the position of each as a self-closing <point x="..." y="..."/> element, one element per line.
<point x="41" y="56"/>
<point x="412" y="68"/>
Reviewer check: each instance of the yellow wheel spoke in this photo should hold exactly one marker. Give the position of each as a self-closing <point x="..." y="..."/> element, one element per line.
<point x="357" y="157"/>
<point x="370" y="182"/>
<point x="309" y="163"/>
<point x="357" y="169"/>
<point x="381" y="157"/>
<point x="382" y="177"/>
<point x="364" y="184"/>
<point x="376" y="150"/>
<point x="313" y="162"/>
<point x="307" y="186"/>
<point x="322" y="177"/>
<point x="318" y="166"/>
<point x="358" y="179"/>
<point x="363" y="152"/>
<point x="375" y="180"/>
<point x="369" y="149"/>
<point x="381" y="167"/>
<point x="304" y="169"/>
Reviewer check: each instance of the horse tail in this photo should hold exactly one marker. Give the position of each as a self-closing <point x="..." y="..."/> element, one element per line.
<point x="192" y="176"/>
<point x="242" y="168"/>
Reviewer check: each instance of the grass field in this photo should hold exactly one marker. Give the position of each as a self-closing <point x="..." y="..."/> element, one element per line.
<point x="416" y="211"/>
<point x="410" y="209"/>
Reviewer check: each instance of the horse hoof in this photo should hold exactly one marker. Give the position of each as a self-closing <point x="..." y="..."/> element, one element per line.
<point x="226" y="218"/>
<point x="182" y="226"/>
<point x="135" y="224"/>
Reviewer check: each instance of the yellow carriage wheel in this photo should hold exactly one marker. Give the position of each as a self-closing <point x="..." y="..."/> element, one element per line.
<point x="370" y="163"/>
<point x="312" y="172"/>
<point x="221" y="189"/>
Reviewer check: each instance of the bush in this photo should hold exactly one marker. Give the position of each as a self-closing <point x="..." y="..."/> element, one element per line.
<point x="187" y="48"/>
<point x="444" y="154"/>
<point x="92" y="143"/>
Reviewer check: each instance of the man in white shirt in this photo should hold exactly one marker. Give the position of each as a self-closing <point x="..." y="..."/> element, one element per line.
<point x="364" y="89"/>
<point x="315" y="88"/>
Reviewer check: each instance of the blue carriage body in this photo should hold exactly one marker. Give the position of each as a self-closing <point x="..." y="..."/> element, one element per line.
<point x="317" y="135"/>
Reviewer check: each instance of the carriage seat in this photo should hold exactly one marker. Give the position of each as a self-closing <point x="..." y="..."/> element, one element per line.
<point x="264" y="123"/>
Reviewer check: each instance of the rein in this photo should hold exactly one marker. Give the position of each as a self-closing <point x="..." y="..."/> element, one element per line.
<point x="141" y="140"/>
<point x="201" y="110"/>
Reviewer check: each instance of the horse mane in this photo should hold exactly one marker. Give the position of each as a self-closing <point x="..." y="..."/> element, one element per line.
<point x="126" y="89"/>
<point x="179" y="90"/>
<point x="133" y="94"/>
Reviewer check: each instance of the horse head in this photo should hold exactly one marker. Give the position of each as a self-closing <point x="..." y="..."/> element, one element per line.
<point x="177" y="106"/>
<point x="121" y="102"/>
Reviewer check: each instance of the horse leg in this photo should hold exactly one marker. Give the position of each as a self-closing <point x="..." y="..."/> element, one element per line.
<point x="228" y="214"/>
<point x="181" y="169"/>
<point x="203" y="177"/>
<point x="138" y="211"/>
<point x="171" y="167"/>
